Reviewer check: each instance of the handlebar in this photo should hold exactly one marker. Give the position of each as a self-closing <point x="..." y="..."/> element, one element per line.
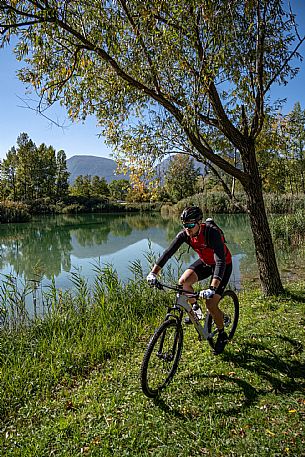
<point x="161" y="286"/>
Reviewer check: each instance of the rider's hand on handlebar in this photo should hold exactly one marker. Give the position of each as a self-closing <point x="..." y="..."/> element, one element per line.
<point x="207" y="293"/>
<point x="152" y="279"/>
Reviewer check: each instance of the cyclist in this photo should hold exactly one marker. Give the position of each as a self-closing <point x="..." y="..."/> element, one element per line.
<point x="214" y="260"/>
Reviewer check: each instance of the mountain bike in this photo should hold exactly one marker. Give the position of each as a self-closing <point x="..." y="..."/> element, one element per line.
<point x="163" y="353"/>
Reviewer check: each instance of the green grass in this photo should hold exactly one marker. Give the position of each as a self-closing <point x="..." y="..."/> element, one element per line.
<point x="70" y="384"/>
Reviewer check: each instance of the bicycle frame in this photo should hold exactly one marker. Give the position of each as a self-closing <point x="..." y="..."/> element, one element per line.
<point x="182" y="302"/>
<point x="163" y="353"/>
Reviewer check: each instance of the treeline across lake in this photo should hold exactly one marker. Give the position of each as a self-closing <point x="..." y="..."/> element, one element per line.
<point x="35" y="180"/>
<point x="23" y="211"/>
<point x="30" y="172"/>
<point x="286" y="212"/>
<point x="219" y="202"/>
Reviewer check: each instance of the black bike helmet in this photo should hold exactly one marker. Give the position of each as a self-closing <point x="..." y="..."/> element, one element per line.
<point x="191" y="213"/>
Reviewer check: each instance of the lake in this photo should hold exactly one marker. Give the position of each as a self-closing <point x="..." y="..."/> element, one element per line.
<point x="55" y="246"/>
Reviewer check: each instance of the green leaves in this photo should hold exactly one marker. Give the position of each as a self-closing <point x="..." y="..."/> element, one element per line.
<point x="181" y="177"/>
<point x="29" y="172"/>
<point x="87" y="186"/>
<point x="108" y="57"/>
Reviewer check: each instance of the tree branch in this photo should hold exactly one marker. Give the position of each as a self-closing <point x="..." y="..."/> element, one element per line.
<point x="229" y="129"/>
<point x="284" y="65"/>
<point x="226" y="189"/>
<point x="258" y="118"/>
<point x="7" y="27"/>
<point x="20" y="12"/>
<point x="61" y="83"/>
<point x="139" y="35"/>
<point x="225" y="124"/>
<point x="40" y="112"/>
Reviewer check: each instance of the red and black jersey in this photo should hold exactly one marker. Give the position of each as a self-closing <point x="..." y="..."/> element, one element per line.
<point x="204" y="249"/>
<point x="209" y="244"/>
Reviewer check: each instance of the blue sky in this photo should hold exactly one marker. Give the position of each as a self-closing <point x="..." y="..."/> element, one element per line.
<point x="15" y="118"/>
<point x="82" y="138"/>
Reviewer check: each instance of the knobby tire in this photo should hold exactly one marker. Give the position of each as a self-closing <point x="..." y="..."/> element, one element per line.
<point x="161" y="358"/>
<point x="230" y="305"/>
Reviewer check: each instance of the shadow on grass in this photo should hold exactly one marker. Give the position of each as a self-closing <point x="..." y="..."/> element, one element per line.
<point x="279" y="374"/>
<point x="298" y="298"/>
<point x="250" y="393"/>
<point x="283" y="373"/>
<point x="160" y="403"/>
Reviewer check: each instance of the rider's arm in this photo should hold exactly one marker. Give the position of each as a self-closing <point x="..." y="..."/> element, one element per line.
<point x="216" y="243"/>
<point x="170" y="251"/>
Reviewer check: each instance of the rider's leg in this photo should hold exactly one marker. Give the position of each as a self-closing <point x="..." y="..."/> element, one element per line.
<point x="187" y="280"/>
<point x="212" y="303"/>
<point x="216" y="313"/>
<point x="195" y="272"/>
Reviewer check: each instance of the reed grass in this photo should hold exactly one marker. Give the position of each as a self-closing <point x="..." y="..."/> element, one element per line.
<point x="289" y="229"/>
<point x="81" y="329"/>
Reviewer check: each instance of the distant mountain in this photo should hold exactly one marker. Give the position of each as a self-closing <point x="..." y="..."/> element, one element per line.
<point x="93" y="166"/>
<point x="106" y="168"/>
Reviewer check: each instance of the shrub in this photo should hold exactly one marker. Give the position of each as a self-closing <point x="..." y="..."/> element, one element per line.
<point x="289" y="228"/>
<point x="41" y="206"/>
<point x="211" y="202"/>
<point x="284" y="204"/>
<point x="73" y="209"/>
<point x="14" y="212"/>
<point x="219" y="202"/>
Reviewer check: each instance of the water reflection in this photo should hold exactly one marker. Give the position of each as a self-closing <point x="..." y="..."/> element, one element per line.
<point x="49" y="244"/>
<point x="53" y="246"/>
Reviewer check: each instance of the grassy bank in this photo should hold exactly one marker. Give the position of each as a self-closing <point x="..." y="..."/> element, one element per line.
<point x="69" y="384"/>
<point x="289" y="229"/>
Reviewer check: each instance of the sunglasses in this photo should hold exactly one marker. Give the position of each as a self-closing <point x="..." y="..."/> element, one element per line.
<point x="189" y="225"/>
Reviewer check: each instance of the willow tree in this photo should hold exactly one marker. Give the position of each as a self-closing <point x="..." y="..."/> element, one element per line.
<point x="205" y="65"/>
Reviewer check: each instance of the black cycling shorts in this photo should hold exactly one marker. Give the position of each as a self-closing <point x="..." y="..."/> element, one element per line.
<point x="203" y="271"/>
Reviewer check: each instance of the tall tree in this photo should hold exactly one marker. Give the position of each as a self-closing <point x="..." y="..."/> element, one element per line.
<point x="269" y="150"/>
<point x="27" y="166"/>
<point x="46" y="174"/>
<point x="99" y="187"/>
<point x="8" y="175"/>
<point x="62" y="175"/>
<point x="181" y="177"/>
<point x="81" y="186"/>
<point x="119" y="189"/>
<point x="208" y="65"/>
<point x="296" y="145"/>
<point x="29" y="172"/>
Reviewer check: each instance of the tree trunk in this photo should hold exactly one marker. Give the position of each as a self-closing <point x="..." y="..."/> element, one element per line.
<point x="265" y="255"/>
<point x="251" y="181"/>
<point x="267" y="266"/>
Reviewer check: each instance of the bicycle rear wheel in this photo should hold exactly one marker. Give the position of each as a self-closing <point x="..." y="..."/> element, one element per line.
<point x="229" y="305"/>
<point x="161" y="358"/>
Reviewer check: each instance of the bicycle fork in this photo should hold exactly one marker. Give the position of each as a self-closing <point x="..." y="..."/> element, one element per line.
<point x="168" y="355"/>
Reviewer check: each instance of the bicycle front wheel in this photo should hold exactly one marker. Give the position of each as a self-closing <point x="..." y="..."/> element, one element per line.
<point x="161" y="357"/>
<point x="229" y="305"/>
